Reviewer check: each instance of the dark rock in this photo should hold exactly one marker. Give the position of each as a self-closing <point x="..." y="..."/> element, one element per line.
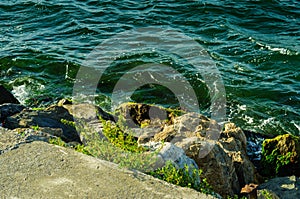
<point x="50" y="117"/>
<point x="136" y="114"/>
<point x="281" y="187"/>
<point x="7" y="110"/>
<point x="7" y="97"/>
<point x="281" y="156"/>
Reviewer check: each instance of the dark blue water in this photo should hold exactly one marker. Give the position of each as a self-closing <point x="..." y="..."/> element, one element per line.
<point x="255" y="45"/>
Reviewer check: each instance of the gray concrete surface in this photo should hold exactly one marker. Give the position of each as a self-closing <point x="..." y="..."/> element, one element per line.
<point x="40" y="170"/>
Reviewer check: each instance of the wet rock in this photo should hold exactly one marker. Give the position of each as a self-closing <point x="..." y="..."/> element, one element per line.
<point x="50" y="117"/>
<point x="7" y="110"/>
<point x="281" y="156"/>
<point x="7" y="97"/>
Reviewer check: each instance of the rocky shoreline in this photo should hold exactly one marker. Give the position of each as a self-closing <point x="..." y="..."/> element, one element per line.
<point x="221" y="152"/>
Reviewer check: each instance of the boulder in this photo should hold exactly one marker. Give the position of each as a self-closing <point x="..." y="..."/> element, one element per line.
<point x="50" y="117"/>
<point x="39" y="170"/>
<point x="281" y="156"/>
<point x="220" y="154"/>
<point x="224" y="161"/>
<point x="85" y="111"/>
<point x="136" y="114"/>
<point x="280" y="187"/>
<point x="7" y="110"/>
<point x="230" y="157"/>
<point x="86" y="117"/>
<point x="6" y="96"/>
<point x="169" y="152"/>
<point x="189" y="125"/>
<point x="218" y="167"/>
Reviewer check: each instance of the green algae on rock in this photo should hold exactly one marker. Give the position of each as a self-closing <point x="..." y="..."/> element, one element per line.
<point x="281" y="156"/>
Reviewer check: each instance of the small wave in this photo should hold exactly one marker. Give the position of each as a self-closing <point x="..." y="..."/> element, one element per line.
<point x="283" y="51"/>
<point x="296" y="125"/>
<point x="21" y="93"/>
<point x="24" y="92"/>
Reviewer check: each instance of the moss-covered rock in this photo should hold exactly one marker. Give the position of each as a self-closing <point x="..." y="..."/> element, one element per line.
<point x="137" y="114"/>
<point x="281" y="156"/>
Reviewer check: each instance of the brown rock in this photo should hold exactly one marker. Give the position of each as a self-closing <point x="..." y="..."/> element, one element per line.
<point x="224" y="162"/>
<point x="250" y="191"/>
<point x="220" y="154"/>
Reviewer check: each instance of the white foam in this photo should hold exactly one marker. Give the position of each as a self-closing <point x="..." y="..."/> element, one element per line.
<point x="282" y="51"/>
<point x="242" y="107"/>
<point x="21" y="93"/>
<point x="249" y="119"/>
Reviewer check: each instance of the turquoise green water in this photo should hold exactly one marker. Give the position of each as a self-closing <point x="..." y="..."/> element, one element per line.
<point x="255" y="45"/>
